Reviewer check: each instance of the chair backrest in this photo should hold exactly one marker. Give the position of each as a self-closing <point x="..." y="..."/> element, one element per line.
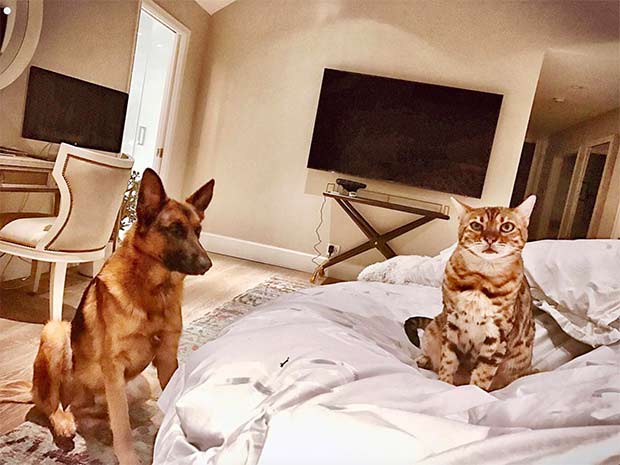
<point x="91" y="187"/>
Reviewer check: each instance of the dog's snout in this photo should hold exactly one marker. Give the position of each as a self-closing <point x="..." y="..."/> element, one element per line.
<point x="189" y="263"/>
<point x="204" y="263"/>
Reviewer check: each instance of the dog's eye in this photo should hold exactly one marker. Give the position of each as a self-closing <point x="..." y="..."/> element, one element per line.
<point x="507" y="227"/>
<point x="475" y="226"/>
<point x="177" y="230"/>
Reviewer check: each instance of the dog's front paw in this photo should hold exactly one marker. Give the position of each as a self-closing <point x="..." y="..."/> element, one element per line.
<point x="63" y="424"/>
<point x="128" y="458"/>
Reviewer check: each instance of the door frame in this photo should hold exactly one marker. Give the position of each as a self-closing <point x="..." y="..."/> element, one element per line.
<point x="576" y="184"/>
<point x="552" y="190"/>
<point x="167" y="130"/>
<point x="603" y="196"/>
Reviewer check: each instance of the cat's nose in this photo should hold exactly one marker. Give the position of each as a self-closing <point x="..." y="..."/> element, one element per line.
<point x="490" y="237"/>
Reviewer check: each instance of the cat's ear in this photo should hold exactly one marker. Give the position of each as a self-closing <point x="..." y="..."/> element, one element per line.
<point x="525" y="209"/>
<point x="460" y="207"/>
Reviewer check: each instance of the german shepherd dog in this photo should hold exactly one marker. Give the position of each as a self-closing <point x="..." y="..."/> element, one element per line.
<point x="129" y="316"/>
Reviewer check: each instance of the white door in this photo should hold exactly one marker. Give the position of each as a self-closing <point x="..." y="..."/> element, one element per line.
<point x="157" y="47"/>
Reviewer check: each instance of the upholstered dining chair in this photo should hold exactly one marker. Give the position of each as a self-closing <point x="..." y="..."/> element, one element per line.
<point x="91" y="187"/>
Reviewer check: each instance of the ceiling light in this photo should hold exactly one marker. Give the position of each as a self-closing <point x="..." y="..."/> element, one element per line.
<point x="559" y="99"/>
<point x="7" y="10"/>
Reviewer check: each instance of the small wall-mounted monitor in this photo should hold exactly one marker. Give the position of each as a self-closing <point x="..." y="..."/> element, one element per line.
<point x="425" y="135"/>
<point x="61" y="108"/>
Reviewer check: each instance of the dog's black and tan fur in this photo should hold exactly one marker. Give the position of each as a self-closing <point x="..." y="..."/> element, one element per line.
<point x="129" y="316"/>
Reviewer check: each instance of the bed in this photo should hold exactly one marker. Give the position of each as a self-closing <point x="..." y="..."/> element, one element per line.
<point x="326" y="376"/>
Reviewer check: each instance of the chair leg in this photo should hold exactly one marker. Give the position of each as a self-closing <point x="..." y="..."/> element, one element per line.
<point x="57" y="289"/>
<point x="35" y="274"/>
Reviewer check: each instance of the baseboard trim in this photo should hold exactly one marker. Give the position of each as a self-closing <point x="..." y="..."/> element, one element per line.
<point x="272" y="255"/>
<point x="257" y="252"/>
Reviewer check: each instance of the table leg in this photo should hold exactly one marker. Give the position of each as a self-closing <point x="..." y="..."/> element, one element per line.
<point x="380" y="239"/>
<point x="367" y="229"/>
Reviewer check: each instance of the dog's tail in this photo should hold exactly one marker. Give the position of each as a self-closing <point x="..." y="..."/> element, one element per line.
<point x="16" y="392"/>
<point x="412" y="325"/>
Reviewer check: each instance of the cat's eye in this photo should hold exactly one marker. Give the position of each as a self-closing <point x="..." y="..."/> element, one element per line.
<point x="475" y="226"/>
<point x="507" y="227"/>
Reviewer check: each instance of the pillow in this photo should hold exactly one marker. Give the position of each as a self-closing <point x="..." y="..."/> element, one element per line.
<point x="577" y="282"/>
<point x="409" y="269"/>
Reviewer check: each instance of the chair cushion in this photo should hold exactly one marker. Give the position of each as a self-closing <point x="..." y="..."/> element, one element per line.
<point x="27" y="231"/>
<point x="6" y="218"/>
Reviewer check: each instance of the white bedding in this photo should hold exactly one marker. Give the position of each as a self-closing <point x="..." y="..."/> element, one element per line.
<point x="574" y="281"/>
<point x="351" y="394"/>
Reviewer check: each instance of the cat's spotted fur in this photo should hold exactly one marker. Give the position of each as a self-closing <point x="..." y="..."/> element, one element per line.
<point x="484" y="335"/>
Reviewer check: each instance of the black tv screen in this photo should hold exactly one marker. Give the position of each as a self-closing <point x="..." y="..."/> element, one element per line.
<point x="60" y="108"/>
<point x="423" y="135"/>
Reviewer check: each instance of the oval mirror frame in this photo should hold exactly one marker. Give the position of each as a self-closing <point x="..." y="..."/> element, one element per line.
<point x="28" y="46"/>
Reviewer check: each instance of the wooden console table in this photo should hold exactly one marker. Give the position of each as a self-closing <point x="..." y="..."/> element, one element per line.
<point x="375" y="240"/>
<point x="27" y="175"/>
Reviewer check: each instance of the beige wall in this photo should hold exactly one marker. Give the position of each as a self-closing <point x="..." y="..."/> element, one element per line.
<point x="90" y="40"/>
<point x="568" y="141"/>
<point x="196" y="20"/>
<point x="571" y="138"/>
<point x="94" y="40"/>
<point x="261" y="85"/>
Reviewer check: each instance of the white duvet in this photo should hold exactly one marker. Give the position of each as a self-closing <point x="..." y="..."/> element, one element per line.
<point x="326" y="376"/>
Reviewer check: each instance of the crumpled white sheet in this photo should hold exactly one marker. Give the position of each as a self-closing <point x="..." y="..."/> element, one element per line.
<point x="577" y="282"/>
<point x="326" y="377"/>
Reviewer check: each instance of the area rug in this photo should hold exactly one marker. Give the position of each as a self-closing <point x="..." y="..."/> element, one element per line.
<point x="32" y="442"/>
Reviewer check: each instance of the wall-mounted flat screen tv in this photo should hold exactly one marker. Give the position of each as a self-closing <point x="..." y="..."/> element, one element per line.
<point x="61" y="108"/>
<point x="424" y="135"/>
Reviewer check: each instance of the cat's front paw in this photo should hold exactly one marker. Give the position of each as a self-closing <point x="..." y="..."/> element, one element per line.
<point x="446" y="377"/>
<point x="482" y="380"/>
<point x="424" y="362"/>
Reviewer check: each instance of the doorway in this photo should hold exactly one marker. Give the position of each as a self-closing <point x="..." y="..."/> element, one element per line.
<point x="580" y="200"/>
<point x="157" y="72"/>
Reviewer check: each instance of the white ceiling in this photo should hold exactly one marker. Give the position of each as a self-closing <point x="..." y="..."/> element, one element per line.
<point x="587" y="78"/>
<point x="213" y="6"/>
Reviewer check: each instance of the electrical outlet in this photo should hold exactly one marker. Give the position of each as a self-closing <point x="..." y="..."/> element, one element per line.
<point x="332" y="249"/>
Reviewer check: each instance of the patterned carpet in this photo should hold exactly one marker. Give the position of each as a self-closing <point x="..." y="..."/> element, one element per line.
<point x="32" y="442"/>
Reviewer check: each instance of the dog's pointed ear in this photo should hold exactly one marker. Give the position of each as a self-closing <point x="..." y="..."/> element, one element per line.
<point x="202" y="197"/>
<point x="151" y="197"/>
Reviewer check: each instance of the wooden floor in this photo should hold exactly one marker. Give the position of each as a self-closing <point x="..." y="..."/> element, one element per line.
<point x="22" y="314"/>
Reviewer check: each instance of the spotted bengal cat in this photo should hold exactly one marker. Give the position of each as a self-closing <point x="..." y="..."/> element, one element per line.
<point x="485" y="333"/>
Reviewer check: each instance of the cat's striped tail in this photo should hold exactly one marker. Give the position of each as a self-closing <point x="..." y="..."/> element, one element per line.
<point x="412" y="325"/>
<point x="16" y="392"/>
